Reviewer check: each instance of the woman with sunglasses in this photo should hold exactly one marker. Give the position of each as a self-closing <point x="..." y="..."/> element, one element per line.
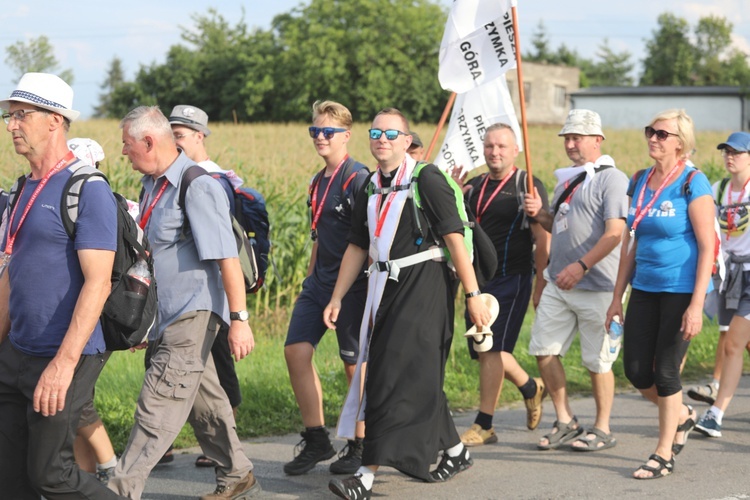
<point x="667" y="255"/>
<point x="732" y="207"/>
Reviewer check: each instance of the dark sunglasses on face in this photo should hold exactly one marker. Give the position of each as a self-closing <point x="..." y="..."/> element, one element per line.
<point x="390" y="134"/>
<point x="660" y="134"/>
<point x="327" y="131"/>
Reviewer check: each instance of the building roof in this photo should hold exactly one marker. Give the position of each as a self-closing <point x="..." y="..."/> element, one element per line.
<point x="660" y="91"/>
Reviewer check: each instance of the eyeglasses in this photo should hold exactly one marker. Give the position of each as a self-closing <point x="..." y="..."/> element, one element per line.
<point x="327" y="131"/>
<point x="661" y="135"/>
<point x="178" y="137"/>
<point x="390" y="134"/>
<point x="726" y="153"/>
<point x="18" y="115"/>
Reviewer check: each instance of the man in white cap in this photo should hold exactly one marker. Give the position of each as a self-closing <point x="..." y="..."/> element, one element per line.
<point x="586" y="220"/>
<point x="51" y="296"/>
<point x="190" y="128"/>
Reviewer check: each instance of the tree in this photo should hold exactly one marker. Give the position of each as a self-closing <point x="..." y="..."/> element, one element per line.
<point x="115" y="78"/>
<point x="540" y="42"/>
<point x="35" y="56"/>
<point x="613" y="69"/>
<point x="670" y="57"/>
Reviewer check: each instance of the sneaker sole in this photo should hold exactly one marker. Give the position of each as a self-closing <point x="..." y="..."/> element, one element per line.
<point x="254" y="490"/>
<point x="309" y="467"/>
<point x="708" y="432"/>
<point x="700" y="397"/>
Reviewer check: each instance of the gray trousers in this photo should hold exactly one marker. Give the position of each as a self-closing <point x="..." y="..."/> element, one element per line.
<point x="36" y="452"/>
<point x="182" y="385"/>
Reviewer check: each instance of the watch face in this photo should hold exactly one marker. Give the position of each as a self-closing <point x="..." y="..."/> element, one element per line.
<point x="241" y="316"/>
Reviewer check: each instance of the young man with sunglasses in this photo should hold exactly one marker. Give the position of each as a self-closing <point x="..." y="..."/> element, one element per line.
<point x="408" y="323"/>
<point x="331" y="200"/>
<point x="586" y="221"/>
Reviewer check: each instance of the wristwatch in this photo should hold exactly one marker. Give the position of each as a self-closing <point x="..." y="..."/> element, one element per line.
<point x="239" y="316"/>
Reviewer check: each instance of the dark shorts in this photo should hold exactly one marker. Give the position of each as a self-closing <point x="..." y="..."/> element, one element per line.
<point x="307" y="324"/>
<point x="513" y="294"/>
<point x="89" y="414"/>
<point x="743" y="309"/>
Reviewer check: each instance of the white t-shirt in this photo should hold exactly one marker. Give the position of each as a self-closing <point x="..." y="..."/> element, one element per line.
<point x="734" y="221"/>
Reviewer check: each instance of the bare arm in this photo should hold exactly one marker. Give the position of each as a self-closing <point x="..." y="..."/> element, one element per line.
<point x="241" y="340"/>
<point x="573" y="272"/>
<point x="541" y="257"/>
<point x="52" y="388"/>
<point x="478" y="311"/>
<point x="701" y="213"/>
<point x="351" y="266"/>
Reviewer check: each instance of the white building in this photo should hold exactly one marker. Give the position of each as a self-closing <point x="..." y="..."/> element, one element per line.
<point x="712" y="108"/>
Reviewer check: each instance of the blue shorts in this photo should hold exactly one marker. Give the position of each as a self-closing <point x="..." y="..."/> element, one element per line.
<point x="513" y="293"/>
<point x="307" y="324"/>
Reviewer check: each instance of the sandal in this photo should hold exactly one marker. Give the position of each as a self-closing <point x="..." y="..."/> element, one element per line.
<point x="561" y="435"/>
<point x="601" y="441"/>
<point x="204" y="461"/>
<point x="664" y="469"/>
<point x="685" y="427"/>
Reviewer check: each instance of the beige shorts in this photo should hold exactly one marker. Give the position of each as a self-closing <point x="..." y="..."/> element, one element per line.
<point x="562" y="313"/>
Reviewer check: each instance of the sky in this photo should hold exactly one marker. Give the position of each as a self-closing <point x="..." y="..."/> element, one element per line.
<point x="88" y="34"/>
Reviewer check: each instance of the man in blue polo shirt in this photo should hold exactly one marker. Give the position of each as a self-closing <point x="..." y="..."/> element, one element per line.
<point x="200" y="286"/>
<point x="51" y="295"/>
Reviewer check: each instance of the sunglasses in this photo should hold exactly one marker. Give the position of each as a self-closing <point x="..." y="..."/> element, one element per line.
<point x="661" y="135"/>
<point x="390" y="134"/>
<point x="327" y="131"/>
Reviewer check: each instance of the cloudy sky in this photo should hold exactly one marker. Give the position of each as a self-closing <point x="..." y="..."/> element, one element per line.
<point x="87" y="34"/>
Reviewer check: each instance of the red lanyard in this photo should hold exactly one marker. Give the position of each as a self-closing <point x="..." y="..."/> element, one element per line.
<point x="317" y="210"/>
<point x="640" y="214"/>
<point x="147" y="214"/>
<point x="731" y="211"/>
<point x="481" y="211"/>
<point x="389" y="199"/>
<point x="12" y="234"/>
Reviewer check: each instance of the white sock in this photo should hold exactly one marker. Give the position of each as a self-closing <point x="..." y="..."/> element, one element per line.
<point x="718" y="414"/>
<point x="715" y="383"/>
<point x="367" y="476"/>
<point x="108" y="465"/>
<point x="455" y="451"/>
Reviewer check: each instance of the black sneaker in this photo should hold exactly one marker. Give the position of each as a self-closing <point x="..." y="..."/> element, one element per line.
<point x="314" y="447"/>
<point x="350" y="458"/>
<point x="450" y="466"/>
<point x="350" y="488"/>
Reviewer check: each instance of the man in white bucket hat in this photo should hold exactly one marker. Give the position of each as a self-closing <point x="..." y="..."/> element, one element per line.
<point x="51" y="296"/>
<point x="586" y="221"/>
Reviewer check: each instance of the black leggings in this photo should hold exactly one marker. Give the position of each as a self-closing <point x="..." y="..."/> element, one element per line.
<point x="653" y="343"/>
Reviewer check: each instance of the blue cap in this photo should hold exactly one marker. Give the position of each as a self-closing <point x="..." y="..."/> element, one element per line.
<point x="739" y="141"/>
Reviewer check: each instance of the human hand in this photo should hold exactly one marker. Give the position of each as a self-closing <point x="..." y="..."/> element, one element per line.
<point x="570" y="276"/>
<point x="52" y="387"/>
<point x="478" y="311"/>
<point x="331" y="313"/>
<point x="692" y="322"/>
<point x="532" y="203"/>
<point x="241" y="339"/>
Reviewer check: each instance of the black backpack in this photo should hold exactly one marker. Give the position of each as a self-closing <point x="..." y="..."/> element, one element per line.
<point x="249" y="224"/>
<point x="127" y="317"/>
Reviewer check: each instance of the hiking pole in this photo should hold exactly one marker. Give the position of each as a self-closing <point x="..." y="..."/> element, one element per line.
<point x="522" y="103"/>
<point x="441" y="123"/>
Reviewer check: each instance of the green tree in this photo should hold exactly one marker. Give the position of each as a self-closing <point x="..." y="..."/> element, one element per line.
<point x="713" y="37"/>
<point x="670" y="56"/>
<point x="36" y="55"/>
<point x="114" y="79"/>
<point x="612" y="69"/>
<point x="540" y="42"/>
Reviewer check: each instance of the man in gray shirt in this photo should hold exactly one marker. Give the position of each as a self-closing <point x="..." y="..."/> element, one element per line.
<point x="587" y="218"/>
<point x="200" y="282"/>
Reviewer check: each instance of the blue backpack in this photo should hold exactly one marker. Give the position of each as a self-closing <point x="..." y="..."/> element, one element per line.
<point x="248" y="207"/>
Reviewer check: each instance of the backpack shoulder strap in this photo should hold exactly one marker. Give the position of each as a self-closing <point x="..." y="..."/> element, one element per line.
<point x="720" y="192"/>
<point x="190" y="174"/>
<point x="313" y="185"/>
<point x="566" y="192"/>
<point x="636" y="176"/>
<point x="14" y="192"/>
<point x="71" y="193"/>
<point x="686" y="190"/>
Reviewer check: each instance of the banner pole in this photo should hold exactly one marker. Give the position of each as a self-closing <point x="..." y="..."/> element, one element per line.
<point x="522" y="103"/>
<point x="441" y="123"/>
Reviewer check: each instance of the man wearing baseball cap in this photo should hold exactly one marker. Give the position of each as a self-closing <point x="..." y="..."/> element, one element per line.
<point x="586" y="220"/>
<point x="52" y="292"/>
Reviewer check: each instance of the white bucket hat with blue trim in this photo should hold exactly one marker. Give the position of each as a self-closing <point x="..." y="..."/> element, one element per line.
<point x="45" y="91"/>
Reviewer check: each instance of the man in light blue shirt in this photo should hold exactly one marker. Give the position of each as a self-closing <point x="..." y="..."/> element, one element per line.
<point x="200" y="286"/>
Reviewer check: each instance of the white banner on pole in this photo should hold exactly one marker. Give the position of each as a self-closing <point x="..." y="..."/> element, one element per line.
<point x="473" y="112"/>
<point x="478" y="44"/>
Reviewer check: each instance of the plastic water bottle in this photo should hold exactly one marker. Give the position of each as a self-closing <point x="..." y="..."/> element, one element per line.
<point x="139" y="278"/>
<point x="615" y="333"/>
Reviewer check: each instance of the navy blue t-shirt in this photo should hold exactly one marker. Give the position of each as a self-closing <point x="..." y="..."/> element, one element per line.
<point x="45" y="274"/>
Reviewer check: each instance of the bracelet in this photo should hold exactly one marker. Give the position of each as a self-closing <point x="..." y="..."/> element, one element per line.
<point x="473" y="294"/>
<point x="584" y="266"/>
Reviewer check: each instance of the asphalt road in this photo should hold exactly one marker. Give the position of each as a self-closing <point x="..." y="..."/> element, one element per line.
<point x="708" y="468"/>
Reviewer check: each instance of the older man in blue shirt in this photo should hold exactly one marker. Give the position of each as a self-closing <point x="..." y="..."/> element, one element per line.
<point x="200" y="286"/>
